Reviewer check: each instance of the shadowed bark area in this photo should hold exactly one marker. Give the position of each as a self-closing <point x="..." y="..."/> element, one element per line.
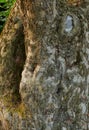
<point x="46" y="53"/>
<point x="12" y="58"/>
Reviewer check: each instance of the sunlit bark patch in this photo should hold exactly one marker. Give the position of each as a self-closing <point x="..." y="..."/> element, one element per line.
<point x="75" y="2"/>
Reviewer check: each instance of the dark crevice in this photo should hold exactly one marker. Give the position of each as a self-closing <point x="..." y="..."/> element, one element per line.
<point x="19" y="57"/>
<point x="78" y="59"/>
<point x="33" y="67"/>
<point x="1" y="125"/>
<point x="59" y="89"/>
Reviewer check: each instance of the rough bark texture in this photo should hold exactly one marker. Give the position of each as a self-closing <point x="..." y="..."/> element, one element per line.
<point x="44" y="66"/>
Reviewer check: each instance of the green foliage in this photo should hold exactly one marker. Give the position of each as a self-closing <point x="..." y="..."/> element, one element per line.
<point x="5" y="6"/>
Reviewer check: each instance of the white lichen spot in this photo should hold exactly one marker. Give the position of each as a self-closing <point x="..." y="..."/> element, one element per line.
<point x="87" y="37"/>
<point x="64" y="128"/>
<point x="40" y="23"/>
<point x="68" y="24"/>
<point x="63" y="64"/>
<point x="78" y="79"/>
<point x="49" y="121"/>
<point x="87" y="88"/>
<point x="87" y="52"/>
<point x="88" y="79"/>
<point x="73" y="95"/>
<point x="83" y="108"/>
<point x="79" y="90"/>
<point x="50" y="99"/>
<point x="50" y="82"/>
<point x="50" y="50"/>
<point x="85" y="62"/>
<point x="73" y="70"/>
<point x="71" y="113"/>
<point x="48" y="128"/>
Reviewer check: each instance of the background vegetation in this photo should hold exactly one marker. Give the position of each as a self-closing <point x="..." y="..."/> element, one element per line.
<point x="5" y="6"/>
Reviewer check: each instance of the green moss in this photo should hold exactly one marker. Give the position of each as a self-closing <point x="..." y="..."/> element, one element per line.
<point x="18" y="108"/>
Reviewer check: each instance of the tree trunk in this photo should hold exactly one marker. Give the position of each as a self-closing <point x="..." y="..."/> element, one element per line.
<point x="44" y="66"/>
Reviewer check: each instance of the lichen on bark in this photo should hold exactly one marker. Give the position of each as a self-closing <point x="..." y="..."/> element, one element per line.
<point x="54" y="78"/>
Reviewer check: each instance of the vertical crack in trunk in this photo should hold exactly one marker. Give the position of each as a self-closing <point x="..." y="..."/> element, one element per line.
<point x="12" y="63"/>
<point x="19" y="56"/>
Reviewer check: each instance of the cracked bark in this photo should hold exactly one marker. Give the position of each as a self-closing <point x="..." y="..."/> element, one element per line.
<point x="44" y="66"/>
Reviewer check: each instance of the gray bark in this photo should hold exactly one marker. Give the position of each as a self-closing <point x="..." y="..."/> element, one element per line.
<point x="53" y="68"/>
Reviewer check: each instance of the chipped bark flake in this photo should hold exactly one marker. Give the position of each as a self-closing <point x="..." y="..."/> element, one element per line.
<point x="54" y="8"/>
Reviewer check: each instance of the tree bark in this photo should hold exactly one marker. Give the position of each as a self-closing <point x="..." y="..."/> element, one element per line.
<point x="44" y="66"/>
